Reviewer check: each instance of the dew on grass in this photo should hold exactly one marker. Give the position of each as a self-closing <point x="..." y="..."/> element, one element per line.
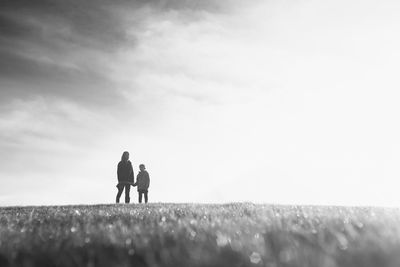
<point x="342" y="240"/>
<point x="314" y="231"/>
<point x="222" y="239"/>
<point x="255" y="258"/>
<point x="192" y="234"/>
<point x="240" y="235"/>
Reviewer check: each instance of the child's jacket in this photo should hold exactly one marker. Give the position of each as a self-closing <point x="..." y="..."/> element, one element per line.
<point x="143" y="180"/>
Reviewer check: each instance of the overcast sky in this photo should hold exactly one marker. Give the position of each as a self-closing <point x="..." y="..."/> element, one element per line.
<point x="263" y="101"/>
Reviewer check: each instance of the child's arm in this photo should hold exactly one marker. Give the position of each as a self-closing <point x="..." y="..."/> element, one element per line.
<point x="137" y="179"/>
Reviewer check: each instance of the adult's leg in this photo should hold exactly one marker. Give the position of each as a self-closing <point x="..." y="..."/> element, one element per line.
<point x="120" y="189"/>
<point x="145" y="197"/>
<point x="140" y="196"/>
<point x="127" y="190"/>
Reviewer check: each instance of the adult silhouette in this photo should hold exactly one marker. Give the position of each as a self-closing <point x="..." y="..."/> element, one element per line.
<point x="125" y="177"/>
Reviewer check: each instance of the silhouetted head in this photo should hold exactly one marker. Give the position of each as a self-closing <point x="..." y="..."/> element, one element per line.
<point x="142" y="167"/>
<point x="125" y="156"/>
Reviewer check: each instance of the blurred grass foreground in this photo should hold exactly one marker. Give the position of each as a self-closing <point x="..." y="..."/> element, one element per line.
<point x="199" y="235"/>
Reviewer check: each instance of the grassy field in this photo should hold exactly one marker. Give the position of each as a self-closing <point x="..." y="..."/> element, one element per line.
<point x="199" y="235"/>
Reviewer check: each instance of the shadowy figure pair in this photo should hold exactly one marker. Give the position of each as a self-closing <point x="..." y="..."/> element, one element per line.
<point x="126" y="179"/>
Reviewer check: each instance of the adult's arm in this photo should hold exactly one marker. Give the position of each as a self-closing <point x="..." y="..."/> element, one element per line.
<point x="119" y="171"/>
<point x="131" y="174"/>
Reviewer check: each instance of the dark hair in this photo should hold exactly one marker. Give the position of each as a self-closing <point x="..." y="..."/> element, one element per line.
<point x="125" y="156"/>
<point x="142" y="165"/>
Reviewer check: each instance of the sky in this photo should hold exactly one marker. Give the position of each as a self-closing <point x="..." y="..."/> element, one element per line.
<point x="285" y="102"/>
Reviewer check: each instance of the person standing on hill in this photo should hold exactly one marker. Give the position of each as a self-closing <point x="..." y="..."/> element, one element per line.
<point x="125" y="177"/>
<point x="143" y="183"/>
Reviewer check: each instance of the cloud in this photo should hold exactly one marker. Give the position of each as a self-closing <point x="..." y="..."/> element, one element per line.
<point x="50" y="49"/>
<point x="67" y="48"/>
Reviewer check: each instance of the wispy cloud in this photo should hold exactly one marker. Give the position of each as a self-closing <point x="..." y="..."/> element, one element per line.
<point x="66" y="48"/>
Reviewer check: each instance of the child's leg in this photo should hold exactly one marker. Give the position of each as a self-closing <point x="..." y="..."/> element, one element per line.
<point x="140" y="197"/>
<point x="120" y="189"/>
<point x="145" y="197"/>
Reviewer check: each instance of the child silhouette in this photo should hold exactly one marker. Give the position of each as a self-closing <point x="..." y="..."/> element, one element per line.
<point x="143" y="183"/>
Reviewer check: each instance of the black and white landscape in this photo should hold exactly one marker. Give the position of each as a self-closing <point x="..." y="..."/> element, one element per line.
<point x="291" y="105"/>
